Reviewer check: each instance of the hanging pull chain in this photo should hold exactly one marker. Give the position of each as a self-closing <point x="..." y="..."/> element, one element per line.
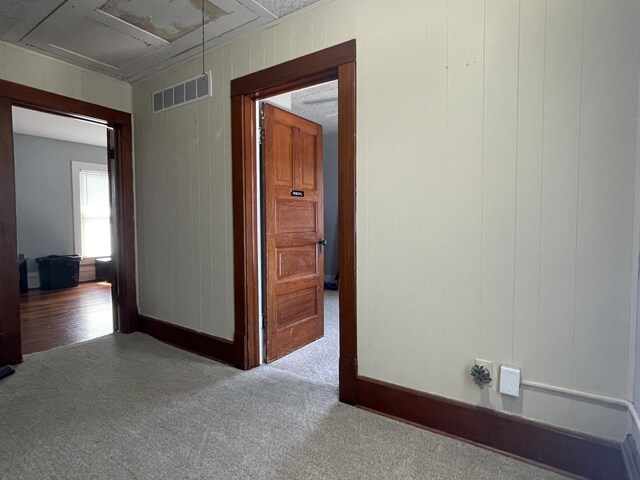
<point x="203" y="74"/>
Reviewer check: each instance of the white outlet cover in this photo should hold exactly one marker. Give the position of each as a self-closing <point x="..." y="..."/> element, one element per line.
<point x="510" y="380"/>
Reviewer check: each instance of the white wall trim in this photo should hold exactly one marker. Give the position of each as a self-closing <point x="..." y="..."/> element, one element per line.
<point x="33" y="280"/>
<point x="76" y="168"/>
<point x="631" y="408"/>
<point x="635" y="269"/>
<point x="634" y="414"/>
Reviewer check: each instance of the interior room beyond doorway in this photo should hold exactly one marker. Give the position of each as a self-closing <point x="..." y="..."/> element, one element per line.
<point x="63" y="229"/>
<point x="317" y="361"/>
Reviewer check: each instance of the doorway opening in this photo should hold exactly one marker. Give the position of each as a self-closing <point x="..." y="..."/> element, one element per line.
<point x="63" y="220"/>
<point x="334" y="63"/>
<point x="122" y="232"/>
<point x="297" y="147"/>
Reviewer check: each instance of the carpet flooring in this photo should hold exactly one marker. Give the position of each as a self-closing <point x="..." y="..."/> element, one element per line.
<point x="318" y="361"/>
<point x="128" y="406"/>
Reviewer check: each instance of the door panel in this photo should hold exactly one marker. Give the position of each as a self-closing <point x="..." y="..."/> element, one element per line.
<point x="297" y="261"/>
<point x="293" y="227"/>
<point x="296" y="216"/>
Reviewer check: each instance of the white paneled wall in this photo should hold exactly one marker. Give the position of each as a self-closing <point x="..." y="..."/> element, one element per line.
<point x="23" y="66"/>
<point x="495" y="170"/>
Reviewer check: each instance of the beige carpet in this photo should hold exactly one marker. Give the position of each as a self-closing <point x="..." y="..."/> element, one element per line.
<point x="127" y="406"/>
<point x="318" y="361"/>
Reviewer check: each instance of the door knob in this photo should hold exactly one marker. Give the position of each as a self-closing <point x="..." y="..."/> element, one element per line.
<point x="322" y="242"/>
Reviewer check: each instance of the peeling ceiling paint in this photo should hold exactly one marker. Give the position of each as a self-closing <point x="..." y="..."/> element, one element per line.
<point x="280" y="8"/>
<point x="169" y="21"/>
<point x="130" y="39"/>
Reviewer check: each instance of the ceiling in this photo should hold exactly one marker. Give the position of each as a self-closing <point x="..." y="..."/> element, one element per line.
<point x="129" y="39"/>
<point x="39" y="124"/>
<point x="318" y="104"/>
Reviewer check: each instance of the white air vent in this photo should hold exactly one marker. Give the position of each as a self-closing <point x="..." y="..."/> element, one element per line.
<point x="182" y="93"/>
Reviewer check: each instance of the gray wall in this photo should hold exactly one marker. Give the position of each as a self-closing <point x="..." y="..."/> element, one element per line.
<point x="330" y="172"/>
<point x="43" y="193"/>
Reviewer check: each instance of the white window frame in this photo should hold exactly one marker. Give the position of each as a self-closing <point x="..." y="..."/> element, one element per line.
<point x="76" y="168"/>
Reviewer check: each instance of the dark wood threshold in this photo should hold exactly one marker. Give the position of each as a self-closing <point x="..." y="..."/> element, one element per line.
<point x="579" y="455"/>
<point x="200" y="343"/>
<point x="631" y="458"/>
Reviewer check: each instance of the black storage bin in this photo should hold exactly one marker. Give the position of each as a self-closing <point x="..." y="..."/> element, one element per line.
<point x="59" y="271"/>
<point x="103" y="269"/>
<point x="22" y="268"/>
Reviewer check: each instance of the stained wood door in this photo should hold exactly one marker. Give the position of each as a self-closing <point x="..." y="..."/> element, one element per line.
<point x="294" y="230"/>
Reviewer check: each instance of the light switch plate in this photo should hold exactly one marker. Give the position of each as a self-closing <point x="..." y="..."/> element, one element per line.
<point x="510" y="380"/>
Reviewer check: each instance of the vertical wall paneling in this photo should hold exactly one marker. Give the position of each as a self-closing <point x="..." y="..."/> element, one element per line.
<point x="563" y="68"/>
<point x="269" y="40"/>
<point x="226" y="323"/>
<point x="496" y="162"/>
<point x="606" y="196"/>
<point x="499" y="180"/>
<point x="434" y="247"/>
<point x="319" y="19"/>
<point x="205" y="215"/>
<point x="382" y="166"/>
<point x="3" y="65"/>
<point x="465" y="100"/>
<point x="282" y="43"/>
<point x="411" y="130"/>
<point x="531" y="61"/>
<point x="257" y="52"/>
<point x="23" y="66"/>
<point x="302" y="31"/>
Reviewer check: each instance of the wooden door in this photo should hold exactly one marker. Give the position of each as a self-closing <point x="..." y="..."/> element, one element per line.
<point x="294" y="230"/>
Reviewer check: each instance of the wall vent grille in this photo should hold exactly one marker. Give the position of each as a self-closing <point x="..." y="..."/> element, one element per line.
<point x="189" y="91"/>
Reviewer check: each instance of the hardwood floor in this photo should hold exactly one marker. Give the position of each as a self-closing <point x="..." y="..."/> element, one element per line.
<point x="62" y="317"/>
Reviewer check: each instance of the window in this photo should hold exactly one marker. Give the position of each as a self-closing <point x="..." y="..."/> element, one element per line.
<point x="91" y="210"/>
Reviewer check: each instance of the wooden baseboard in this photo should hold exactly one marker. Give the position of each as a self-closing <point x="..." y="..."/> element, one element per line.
<point x="193" y="341"/>
<point x="631" y="458"/>
<point x="559" y="449"/>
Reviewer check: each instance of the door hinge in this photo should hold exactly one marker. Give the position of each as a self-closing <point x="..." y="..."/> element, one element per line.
<point x="261" y="125"/>
<point x="264" y="323"/>
<point x="111" y="153"/>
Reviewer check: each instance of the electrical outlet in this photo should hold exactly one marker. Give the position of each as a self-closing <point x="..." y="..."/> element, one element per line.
<point x="488" y="365"/>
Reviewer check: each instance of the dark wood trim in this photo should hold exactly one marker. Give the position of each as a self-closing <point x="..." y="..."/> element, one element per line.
<point x="561" y="449"/>
<point x="121" y="172"/>
<point x="333" y="63"/>
<point x="631" y="458"/>
<point x="193" y="341"/>
<point x="297" y="73"/>
<point x="348" y="366"/>
<point x="125" y="245"/>
<point x="245" y="246"/>
<point x="10" y="346"/>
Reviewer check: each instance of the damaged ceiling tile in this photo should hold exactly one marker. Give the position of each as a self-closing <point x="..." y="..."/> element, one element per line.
<point x="280" y="8"/>
<point x="168" y="20"/>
